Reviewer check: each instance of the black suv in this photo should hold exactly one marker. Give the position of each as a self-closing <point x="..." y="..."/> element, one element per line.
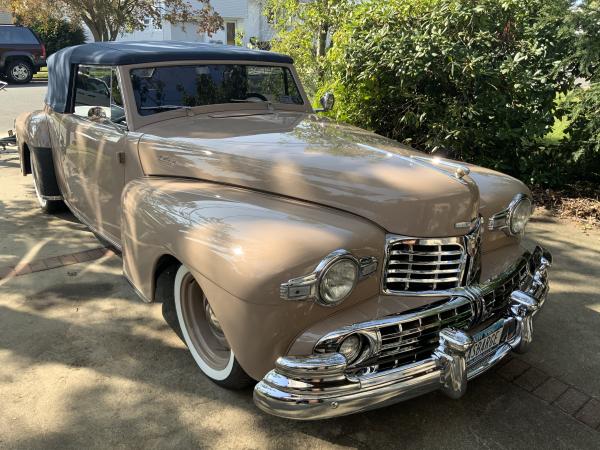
<point x="22" y="53"/>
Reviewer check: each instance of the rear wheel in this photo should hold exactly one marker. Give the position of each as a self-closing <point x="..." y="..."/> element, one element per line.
<point x="19" y="72"/>
<point x="201" y="331"/>
<point x="47" y="206"/>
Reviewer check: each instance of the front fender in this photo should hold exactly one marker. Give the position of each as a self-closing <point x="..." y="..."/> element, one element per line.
<point x="241" y="245"/>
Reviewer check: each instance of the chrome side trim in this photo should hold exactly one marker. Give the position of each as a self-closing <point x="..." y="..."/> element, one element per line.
<point x="51" y="197"/>
<point x="93" y="229"/>
<point x="319" y="386"/>
<point x="136" y="290"/>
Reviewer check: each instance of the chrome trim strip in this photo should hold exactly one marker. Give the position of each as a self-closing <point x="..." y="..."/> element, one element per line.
<point x="460" y="170"/>
<point x="302" y="395"/>
<point x="137" y="291"/>
<point x="51" y="197"/>
<point x="93" y="229"/>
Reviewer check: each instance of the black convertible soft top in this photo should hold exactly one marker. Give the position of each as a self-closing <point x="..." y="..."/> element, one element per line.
<point x="61" y="65"/>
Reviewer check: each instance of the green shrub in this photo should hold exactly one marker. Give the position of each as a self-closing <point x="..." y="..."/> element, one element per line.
<point x="583" y="106"/>
<point x="476" y="80"/>
<point x="57" y="33"/>
<point x="583" y="112"/>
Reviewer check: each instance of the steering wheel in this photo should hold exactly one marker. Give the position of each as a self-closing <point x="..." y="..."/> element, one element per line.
<point x="255" y="97"/>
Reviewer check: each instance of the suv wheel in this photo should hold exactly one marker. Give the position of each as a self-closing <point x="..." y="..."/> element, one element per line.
<point x="19" y="72"/>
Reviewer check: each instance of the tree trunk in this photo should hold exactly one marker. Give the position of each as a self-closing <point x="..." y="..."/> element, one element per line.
<point x="92" y="27"/>
<point x="322" y="40"/>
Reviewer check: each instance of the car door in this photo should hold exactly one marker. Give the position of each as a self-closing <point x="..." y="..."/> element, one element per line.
<point x="94" y="141"/>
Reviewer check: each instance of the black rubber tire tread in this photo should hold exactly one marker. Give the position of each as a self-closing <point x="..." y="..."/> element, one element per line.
<point x="51" y="206"/>
<point x="165" y="293"/>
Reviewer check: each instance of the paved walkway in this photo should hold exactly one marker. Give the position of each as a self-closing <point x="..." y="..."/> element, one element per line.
<point x="17" y="98"/>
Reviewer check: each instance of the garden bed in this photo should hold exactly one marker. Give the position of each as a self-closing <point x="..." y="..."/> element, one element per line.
<point x="580" y="203"/>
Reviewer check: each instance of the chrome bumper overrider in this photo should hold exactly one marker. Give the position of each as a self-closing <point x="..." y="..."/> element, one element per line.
<point x="318" y="386"/>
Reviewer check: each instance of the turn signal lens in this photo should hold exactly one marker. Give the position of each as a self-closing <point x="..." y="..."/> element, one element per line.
<point x="338" y="281"/>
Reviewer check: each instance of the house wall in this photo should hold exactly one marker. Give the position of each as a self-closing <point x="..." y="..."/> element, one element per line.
<point x="6" y="17"/>
<point x="245" y="14"/>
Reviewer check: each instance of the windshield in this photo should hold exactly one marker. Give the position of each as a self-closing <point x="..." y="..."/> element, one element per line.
<point x="158" y="89"/>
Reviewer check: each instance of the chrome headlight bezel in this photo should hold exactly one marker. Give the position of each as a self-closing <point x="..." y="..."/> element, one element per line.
<point x="309" y="286"/>
<point x="528" y="205"/>
<point x="351" y="264"/>
<point x="503" y="220"/>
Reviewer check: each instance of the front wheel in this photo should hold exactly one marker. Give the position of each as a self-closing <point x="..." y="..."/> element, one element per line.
<point x="202" y="333"/>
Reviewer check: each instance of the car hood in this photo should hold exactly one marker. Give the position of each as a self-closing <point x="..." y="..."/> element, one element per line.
<point x="304" y="157"/>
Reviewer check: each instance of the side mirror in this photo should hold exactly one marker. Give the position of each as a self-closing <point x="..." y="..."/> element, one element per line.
<point x="327" y="102"/>
<point x="97" y="114"/>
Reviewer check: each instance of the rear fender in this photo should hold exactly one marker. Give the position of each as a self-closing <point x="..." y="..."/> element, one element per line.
<point x="32" y="133"/>
<point x="241" y="245"/>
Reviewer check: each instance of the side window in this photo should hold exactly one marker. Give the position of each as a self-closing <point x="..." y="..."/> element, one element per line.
<point x="98" y="87"/>
<point x="17" y="35"/>
<point x="277" y="81"/>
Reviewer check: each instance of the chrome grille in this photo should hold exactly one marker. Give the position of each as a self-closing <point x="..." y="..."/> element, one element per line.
<point x="498" y="296"/>
<point x="414" y="335"/>
<point x="415" y="339"/>
<point x="417" y="265"/>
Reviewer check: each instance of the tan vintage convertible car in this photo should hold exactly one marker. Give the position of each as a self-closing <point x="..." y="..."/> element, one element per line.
<point x="340" y="269"/>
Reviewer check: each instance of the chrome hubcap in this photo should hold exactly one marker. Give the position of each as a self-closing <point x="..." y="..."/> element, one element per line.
<point x="20" y="72"/>
<point x="202" y="325"/>
<point x="212" y="320"/>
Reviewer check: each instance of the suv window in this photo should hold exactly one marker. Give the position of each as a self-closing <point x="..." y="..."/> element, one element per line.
<point x="98" y="87"/>
<point x="17" y="35"/>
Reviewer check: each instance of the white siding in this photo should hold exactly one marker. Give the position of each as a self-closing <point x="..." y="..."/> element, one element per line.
<point x="6" y="18"/>
<point x="187" y="32"/>
<point x="230" y="8"/>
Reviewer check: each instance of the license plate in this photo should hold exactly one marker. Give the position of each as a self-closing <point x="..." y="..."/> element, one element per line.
<point x="485" y="341"/>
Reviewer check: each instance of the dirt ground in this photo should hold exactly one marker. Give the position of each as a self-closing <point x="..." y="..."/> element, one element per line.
<point x="85" y="364"/>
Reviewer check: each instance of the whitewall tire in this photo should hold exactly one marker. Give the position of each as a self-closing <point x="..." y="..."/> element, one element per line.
<point x="201" y="332"/>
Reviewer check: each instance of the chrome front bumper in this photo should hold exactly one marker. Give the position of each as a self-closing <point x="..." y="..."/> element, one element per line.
<point x="318" y="386"/>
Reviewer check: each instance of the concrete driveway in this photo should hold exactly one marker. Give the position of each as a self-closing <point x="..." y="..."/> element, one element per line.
<point x="85" y="364"/>
<point x="16" y="98"/>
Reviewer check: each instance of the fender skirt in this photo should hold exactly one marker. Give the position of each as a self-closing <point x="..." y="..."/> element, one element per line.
<point x="44" y="172"/>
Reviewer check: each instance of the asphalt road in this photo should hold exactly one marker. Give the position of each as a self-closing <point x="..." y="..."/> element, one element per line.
<point x="17" y="98"/>
<point x="85" y="364"/>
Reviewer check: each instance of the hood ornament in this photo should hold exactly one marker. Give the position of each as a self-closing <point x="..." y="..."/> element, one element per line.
<point x="461" y="172"/>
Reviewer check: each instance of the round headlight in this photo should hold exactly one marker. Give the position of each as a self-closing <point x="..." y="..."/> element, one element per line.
<point x="350" y="348"/>
<point x="519" y="216"/>
<point x="338" y="281"/>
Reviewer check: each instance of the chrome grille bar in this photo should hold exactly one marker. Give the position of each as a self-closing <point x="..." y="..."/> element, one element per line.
<point x="423" y="265"/>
